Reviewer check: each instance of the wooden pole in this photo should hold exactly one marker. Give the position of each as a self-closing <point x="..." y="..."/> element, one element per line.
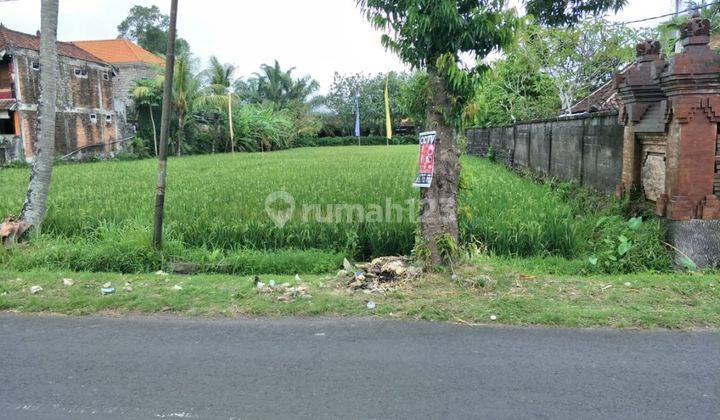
<point x="165" y="128"/>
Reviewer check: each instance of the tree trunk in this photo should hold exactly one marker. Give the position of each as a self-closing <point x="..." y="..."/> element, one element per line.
<point x="180" y="133"/>
<point x="33" y="211"/>
<point x="230" y="123"/>
<point x="438" y="213"/>
<point x="152" y="121"/>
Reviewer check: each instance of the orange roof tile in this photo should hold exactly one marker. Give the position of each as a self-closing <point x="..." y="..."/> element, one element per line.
<point x="119" y="51"/>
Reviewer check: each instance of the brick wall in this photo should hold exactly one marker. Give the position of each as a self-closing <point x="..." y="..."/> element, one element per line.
<point x="79" y="98"/>
<point x="123" y="84"/>
<point x="586" y="149"/>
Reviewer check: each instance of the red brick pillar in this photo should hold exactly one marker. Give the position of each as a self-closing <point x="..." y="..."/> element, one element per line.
<point x="691" y="81"/>
<point x="639" y="93"/>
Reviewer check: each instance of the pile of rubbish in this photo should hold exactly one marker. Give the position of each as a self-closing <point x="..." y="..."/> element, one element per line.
<point x="380" y="275"/>
<point x="287" y="292"/>
<point x="11" y="229"/>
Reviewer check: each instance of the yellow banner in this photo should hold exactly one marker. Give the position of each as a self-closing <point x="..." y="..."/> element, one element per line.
<point x="388" y="118"/>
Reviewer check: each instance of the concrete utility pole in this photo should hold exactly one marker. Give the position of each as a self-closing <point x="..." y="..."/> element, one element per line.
<point x="165" y="127"/>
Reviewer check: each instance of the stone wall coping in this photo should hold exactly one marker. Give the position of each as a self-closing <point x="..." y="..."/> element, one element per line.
<point x="574" y="117"/>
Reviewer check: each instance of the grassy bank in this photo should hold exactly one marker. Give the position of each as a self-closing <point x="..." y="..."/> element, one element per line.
<point x="490" y="291"/>
<point x="350" y="201"/>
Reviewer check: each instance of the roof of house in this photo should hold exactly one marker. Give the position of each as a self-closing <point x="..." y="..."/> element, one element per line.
<point x="603" y="99"/>
<point x="606" y="99"/>
<point x="119" y="51"/>
<point x="16" y="39"/>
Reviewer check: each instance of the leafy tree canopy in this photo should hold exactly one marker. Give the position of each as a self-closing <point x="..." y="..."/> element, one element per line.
<point x="406" y="100"/>
<point x="148" y="27"/>
<point x="562" y="12"/>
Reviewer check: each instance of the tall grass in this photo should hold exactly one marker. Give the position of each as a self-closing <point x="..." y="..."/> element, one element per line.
<point x="512" y="215"/>
<point x="100" y="214"/>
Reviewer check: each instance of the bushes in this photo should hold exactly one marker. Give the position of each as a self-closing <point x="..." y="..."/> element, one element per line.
<point x="353" y="141"/>
<point x="262" y="128"/>
<point x="619" y="246"/>
<point x="511" y="215"/>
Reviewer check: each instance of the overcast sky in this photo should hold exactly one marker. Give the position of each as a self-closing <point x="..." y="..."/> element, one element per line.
<point x="319" y="37"/>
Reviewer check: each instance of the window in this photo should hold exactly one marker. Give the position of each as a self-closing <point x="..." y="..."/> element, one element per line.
<point x="93" y="118"/>
<point x="80" y="72"/>
<point x="105" y="76"/>
<point x="36" y="65"/>
<point x="108" y="119"/>
<point x="84" y="72"/>
<point x="7" y="123"/>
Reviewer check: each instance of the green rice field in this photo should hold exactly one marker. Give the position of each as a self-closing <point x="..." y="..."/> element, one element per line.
<point x="325" y="203"/>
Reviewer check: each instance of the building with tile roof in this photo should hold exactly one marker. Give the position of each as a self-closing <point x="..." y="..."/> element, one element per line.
<point x="119" y="51"/>
<point x="86" y="117"/>
<point x="133" y="63"/>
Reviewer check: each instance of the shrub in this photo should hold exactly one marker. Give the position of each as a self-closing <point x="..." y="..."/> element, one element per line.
<point x="353" y="141"/>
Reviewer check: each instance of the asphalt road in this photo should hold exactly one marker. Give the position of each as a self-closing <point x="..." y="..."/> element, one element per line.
<point x="178" y="368"/>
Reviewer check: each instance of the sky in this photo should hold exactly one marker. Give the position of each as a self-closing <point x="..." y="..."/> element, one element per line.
<point x="318" y="37"/>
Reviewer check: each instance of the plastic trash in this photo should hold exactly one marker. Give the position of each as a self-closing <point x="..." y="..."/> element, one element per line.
<point x="68" y="282"/>
<point x="35" y="289"/>
<point x="107" y="290"/>
<point x="371" y="305"/>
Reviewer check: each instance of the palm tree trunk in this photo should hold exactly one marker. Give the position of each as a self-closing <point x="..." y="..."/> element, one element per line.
<point x="230" y="123"/>
<point x="152" y="121"/>
<point x="438" y="214"/>
<point x="180" y="133"/>
<point x="33" y="211"/>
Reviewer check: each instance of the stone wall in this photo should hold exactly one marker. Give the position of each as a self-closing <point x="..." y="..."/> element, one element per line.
<point x="586" y="149"/>
<point x="123" y="84"/>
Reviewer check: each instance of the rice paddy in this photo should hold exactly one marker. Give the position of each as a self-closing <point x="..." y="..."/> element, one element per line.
<point x="307" y="207"/>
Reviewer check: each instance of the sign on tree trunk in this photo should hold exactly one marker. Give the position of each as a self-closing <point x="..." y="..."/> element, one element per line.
<point x="427" y="160"/>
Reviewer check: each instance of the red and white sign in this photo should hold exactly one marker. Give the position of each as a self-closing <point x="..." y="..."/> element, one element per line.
<point x="426" y="165"/>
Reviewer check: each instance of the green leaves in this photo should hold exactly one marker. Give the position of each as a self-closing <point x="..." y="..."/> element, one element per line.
<point x="624" y="246"/>
<point x="433" y="34"/>
<point x="688" y="264"/>
<point x="553" y="12"/>
<point x="635" y="223"/>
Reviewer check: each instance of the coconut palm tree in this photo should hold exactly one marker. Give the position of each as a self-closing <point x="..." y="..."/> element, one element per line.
<point x="148" y="93"/>
<point x="273" y="84"/>
<point x="34" y="209"/>
<point x="220" y="78"/>
<point x="186" y="90"/>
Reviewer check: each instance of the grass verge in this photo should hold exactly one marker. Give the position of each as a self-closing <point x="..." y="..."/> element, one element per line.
<point x="488" y="287"/>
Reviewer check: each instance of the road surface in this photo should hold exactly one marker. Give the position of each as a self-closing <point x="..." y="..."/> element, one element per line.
<point x="166" y="367"/>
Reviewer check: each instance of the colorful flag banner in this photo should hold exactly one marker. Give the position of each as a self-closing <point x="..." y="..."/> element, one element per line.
<point x="426" y="165"/>
<point x="388" y="117"/>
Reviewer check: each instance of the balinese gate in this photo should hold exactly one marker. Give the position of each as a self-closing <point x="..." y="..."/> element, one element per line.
<point x="671" y="113"/>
